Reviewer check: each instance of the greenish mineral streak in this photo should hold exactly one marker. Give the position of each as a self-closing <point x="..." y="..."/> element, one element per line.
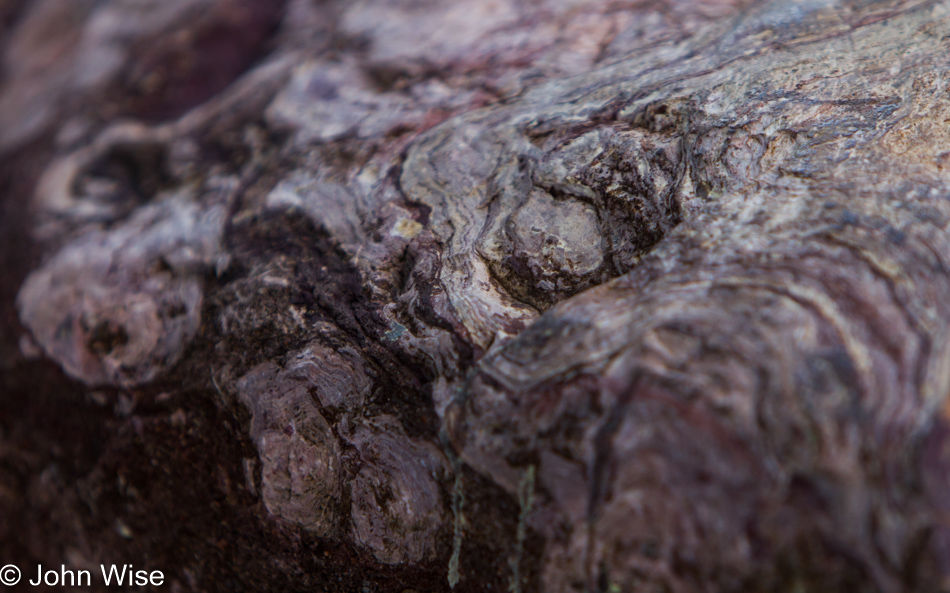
<point x="458" y="501"/>
<point x="526" y="502"/>
<point x="395" y="332"/>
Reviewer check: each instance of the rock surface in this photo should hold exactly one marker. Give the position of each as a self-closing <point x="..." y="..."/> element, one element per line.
<point x="484" y="295"/>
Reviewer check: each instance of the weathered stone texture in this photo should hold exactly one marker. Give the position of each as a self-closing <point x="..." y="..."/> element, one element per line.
<point x="555" y="296"/>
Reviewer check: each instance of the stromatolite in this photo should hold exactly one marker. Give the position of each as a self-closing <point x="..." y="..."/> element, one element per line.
<point x="574" y="296"/>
